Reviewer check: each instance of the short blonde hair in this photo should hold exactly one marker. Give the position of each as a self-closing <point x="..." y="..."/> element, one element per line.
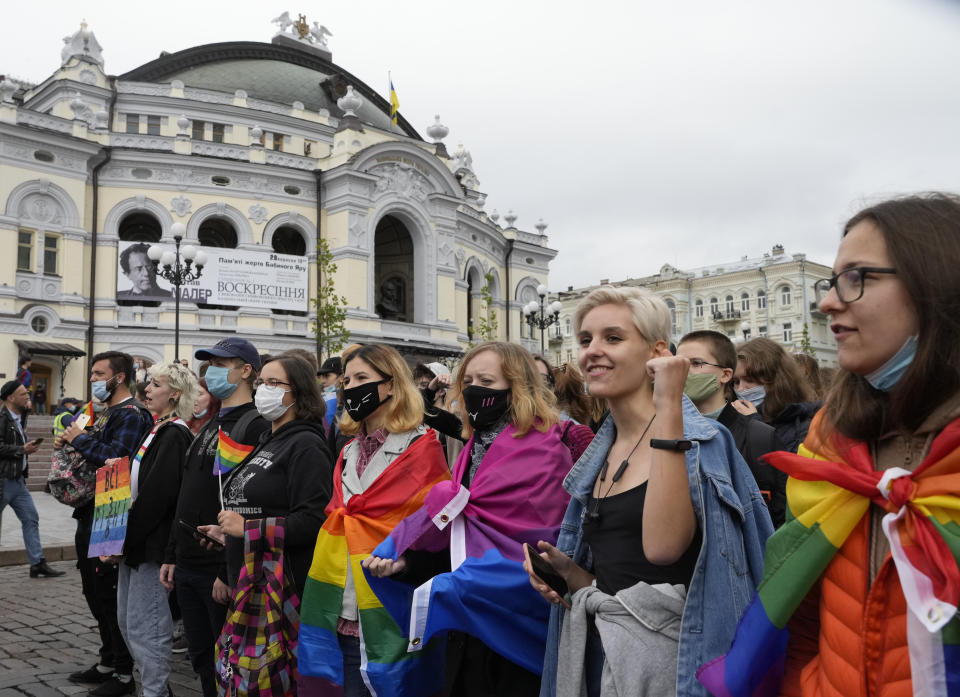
<point x="181" y="379"/>
<point x="651" y="316"/>
<point x="531" y="404"/>
<point x="406" y="406"/>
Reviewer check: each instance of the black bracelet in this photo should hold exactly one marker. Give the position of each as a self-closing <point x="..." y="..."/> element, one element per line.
<point x="676" y="445"/>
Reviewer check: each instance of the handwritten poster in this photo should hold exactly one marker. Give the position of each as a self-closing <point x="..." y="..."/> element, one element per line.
<point x="111" y="507"/>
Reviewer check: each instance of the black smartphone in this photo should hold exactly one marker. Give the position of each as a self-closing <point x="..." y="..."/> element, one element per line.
<point x="545" y="572"/>
<point x="198" y="533"/>
<point x="37" y="441"/>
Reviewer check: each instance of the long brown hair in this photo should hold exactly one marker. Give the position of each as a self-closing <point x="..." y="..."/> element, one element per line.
<point x="568" y="386"/>
<point x="922" y="235"/>
<point x="764" y="361"/>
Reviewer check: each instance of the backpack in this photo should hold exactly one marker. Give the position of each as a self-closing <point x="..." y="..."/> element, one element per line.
<point x="257" y="649"/>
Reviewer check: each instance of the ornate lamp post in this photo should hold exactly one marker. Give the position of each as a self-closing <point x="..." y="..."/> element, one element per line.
<point x="179" y="267"/>
<point x="542" y="317"/>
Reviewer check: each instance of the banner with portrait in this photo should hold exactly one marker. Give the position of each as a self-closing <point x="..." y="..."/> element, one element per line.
<point x="231" y="277"/>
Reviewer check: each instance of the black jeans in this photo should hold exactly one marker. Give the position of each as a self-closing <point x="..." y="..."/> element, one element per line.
<point x="99" y="584"/>
<point x="203" y="620"/>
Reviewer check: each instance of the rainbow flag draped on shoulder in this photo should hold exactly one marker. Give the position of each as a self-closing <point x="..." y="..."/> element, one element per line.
<point x="348" y="536"/>
<point x="516" y="496"/>
<point x="832" y="484"/>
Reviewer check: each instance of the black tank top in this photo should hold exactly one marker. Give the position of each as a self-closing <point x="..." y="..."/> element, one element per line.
<point x="616" y="541"/>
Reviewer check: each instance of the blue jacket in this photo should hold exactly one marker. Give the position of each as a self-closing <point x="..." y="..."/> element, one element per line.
<point x="735" y="526"/>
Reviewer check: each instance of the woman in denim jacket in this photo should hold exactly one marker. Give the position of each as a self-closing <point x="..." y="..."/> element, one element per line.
<point x="703" y="526"/>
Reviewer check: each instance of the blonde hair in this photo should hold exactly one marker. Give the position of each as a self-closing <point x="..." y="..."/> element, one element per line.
<point x="181" y="379"/>
<point x="531" y="405"/>
<point x="405" y="407"/>
<point x="651" y="316"/>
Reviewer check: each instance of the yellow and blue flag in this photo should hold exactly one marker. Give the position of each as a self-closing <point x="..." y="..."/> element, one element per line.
<point x="394" y="102"/>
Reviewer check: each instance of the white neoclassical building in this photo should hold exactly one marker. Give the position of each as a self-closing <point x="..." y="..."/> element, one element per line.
<point x="770" y="295"/>
<point x="260" y="148"/>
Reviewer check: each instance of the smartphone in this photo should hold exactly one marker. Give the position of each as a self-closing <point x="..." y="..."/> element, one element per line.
<point x="37" y="441"/>
<point x="81" y="420"/>
<point x="195" y="531"/>
<point x="544" y="571"/>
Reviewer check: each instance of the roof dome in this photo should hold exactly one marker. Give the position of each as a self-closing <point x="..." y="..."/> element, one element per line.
<point x="271" y="72"/>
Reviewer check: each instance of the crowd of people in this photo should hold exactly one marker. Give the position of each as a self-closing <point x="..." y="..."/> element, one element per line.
<point x="705" y="518"/>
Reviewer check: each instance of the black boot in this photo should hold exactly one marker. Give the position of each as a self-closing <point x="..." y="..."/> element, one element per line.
<point x="41" y="568"/>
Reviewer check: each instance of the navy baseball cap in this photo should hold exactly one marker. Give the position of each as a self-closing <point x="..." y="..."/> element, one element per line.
<point x="231" y="347"/>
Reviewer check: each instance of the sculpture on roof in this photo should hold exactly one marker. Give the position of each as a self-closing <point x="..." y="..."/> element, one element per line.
<point x="283" y="22"/>
<point x="319" y="34"/>
<point x="83" y="44"/>
<point x="301" y="30"/>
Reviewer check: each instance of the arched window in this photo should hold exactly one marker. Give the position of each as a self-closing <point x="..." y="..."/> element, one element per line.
<point x="714" y="306"/>
<point x="139" y="227"/>
<point x="761" y="300"/>
<point x="393" y="271"/>
<point x="217" y="232"/>
<point x="729" y="304"/>
<point x="698" y="308"/>
<point x="785" y="295"/>
<point x="745" y="302"/>
<point x="289" y="240"/>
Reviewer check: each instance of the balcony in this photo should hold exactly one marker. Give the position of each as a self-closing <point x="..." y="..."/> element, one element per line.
<point x="555" y="339"/>
<point x="727" y="316"/>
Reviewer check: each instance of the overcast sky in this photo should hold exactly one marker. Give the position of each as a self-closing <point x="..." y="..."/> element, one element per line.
<point x="643" y="133"/>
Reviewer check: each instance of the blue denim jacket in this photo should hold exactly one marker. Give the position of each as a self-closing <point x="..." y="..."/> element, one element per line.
<point x="735" y="525"/>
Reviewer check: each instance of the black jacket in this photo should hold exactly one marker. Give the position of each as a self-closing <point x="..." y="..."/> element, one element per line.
<point x="158" y="485"/>
<point x="199" y="500"/>
<point x="440" y="420"/>
<point x="793" y="423"/>
<point x="754" y="438"/>
<point x="289" y="474"/>
<point x="11" y="447"/>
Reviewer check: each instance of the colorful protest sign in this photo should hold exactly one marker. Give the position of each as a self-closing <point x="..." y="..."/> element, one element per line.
<point x="111" y="507"/>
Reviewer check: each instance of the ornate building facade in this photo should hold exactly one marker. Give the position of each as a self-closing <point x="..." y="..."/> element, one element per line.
<point x="256" y="147"/>
<point x="770" y="295"/>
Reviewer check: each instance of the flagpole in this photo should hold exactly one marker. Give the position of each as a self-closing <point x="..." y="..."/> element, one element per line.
<point x="220" y="479"/>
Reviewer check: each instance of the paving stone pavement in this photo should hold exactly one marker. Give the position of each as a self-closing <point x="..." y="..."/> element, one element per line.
<point x="47" y="633"/>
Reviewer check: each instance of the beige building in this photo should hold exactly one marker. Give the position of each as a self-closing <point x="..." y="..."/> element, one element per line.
<point x="256" y="147"/>
<point x="771" y="295"/>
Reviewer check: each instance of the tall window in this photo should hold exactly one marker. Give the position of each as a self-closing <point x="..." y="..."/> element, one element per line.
<point x="198" y="127"/>
<point x="698" y="308"/>
<point x="51" y="247"/>
<point x="714" y="306"/>
<point x="278" y="141"/>
<point x="25" y="251"/>
<point x="153" y="125"/>
<point x="745" y="302"/>
<point x="288" y="240"/>
<point x="729" y="303"/>
<point x="785" y="295"/>
<point x="787" y="332"/>
<point x="761" y="300"/>
<point x="673" y="316"/>
<point x="133" y="123"/>
<point x="218" y="130"/>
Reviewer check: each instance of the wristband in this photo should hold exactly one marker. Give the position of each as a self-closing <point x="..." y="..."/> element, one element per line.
<point x="675" y="445"/>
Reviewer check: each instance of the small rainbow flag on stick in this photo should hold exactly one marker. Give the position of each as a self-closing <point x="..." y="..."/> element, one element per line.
<point x="230" y="453"/>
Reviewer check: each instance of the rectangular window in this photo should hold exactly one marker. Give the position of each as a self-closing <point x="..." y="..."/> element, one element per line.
<point x="278" y="141"/>
<point x="197" y="130"/>
<point x="762" y="330"/>
<point x="133" y="123"/>
<point x="787" y="332"/>
<point x="51" y="248"/>
<point x="25" y="251"/>
<point x="218" y="129"/>
<point x="153" y="125"/>
<point x="761" y="300"/>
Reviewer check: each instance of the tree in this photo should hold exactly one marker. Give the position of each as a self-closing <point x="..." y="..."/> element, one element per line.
<point x="331" y="309"/>
<point x="805" y="345"/>
<point x="485" y="328"/>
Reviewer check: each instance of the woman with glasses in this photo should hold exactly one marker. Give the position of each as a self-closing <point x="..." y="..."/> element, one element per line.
<point x="869" y="563"/>
<point x="286" y="475"/>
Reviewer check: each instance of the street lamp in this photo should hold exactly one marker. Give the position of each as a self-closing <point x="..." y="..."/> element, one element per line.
<point x="177" y="271"/>
<point x="542" y="317"/>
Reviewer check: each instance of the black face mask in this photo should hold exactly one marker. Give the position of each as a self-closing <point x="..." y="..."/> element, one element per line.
<point x="484" y="406"/>
<point x="363" y="400"/>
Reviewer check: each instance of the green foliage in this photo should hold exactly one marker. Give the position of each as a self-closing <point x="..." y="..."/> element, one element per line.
<point x="485" y="328"/>
<point x="805" y="345"/>
<point x="331" y="308"/>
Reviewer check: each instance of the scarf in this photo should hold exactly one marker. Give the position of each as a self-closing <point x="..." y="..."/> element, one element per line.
<point x="348" y="536"/>
<point x="831" y="488"/>
<point x="517" y="496"/>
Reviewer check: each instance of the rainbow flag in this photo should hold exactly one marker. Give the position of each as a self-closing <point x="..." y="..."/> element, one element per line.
<point x="348" y="536"/>
<point x="394" y="101"/>
<point x="831" y="487"/>
<point x="230" y="453"/>
<point x="111" y="508"/>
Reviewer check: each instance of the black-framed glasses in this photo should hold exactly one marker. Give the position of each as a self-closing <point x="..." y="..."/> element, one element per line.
<point x="699" y="363"/>
<point x="849" y="283"/>
<point x="270" y="382"/>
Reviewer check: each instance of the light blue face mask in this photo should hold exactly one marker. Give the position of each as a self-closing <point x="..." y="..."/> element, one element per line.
<point x="754" y="395"/>
<point x="101" y="391"/>
<point x="217" y="382"/>
<point x="888" y="375"/>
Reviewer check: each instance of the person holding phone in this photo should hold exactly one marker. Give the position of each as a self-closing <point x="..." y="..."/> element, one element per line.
<point x="143" y="612"/>
<point x="506" y="490"/>
<point x="665" y="527"/>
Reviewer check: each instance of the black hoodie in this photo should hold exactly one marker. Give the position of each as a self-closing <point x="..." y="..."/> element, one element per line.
<point x="289" y="475"/>
<point x="199" y="500"/>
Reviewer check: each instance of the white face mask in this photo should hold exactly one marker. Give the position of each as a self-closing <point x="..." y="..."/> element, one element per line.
<point x="269" y="401"/>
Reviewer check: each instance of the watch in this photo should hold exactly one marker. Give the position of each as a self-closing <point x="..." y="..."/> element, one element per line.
<point x="678" y="445"/>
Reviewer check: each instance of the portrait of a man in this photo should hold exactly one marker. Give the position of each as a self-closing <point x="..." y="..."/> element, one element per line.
<point x="139" y="270"/>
